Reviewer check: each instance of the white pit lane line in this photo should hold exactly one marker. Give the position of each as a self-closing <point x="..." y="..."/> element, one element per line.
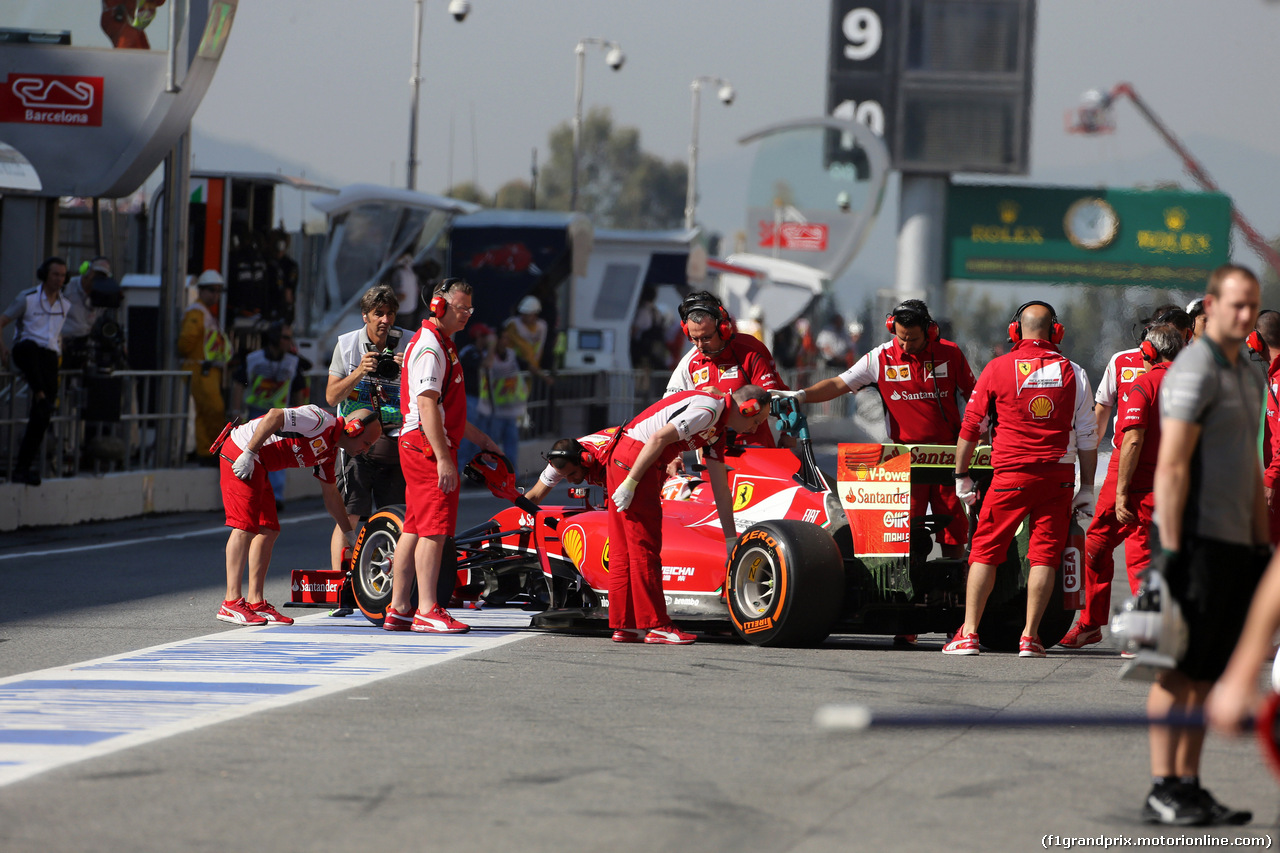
<point x="66" y="714"/>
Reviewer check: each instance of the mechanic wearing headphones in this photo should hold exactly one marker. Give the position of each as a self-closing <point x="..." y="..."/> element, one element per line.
<point x="282" y="438"/>
<point x="684" y="421"/>
<point x="1038" y="401"/>
<point x="1212" y="516"/>
<point x="723" y="359"/>
<point x="1126" y="504"/>
<point x="360" y="378"/>
<point x="37" y="346"/>
<point x="434" y="404"/>
<point x="921" y="378"/>
<point x="1264" y="343"/>
<point x="1123" y="370"/>
<point x="577" y="460"/>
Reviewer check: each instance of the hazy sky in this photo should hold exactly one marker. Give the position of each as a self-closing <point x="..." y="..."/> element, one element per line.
<point x="325" y="84"/>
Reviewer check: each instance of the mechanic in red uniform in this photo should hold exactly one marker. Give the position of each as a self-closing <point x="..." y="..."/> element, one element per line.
<point x="434" y="403"/>
<point x="684" y="421"/>
<point x="1038" y="401"/>
<point x="921" y="378"/>
<point x="1264" y="343"/>
<point x="280" y="439"/>
<point x="723" y="359"/>
<point x="1127" y="500"/>
<point x="578" y="460"/>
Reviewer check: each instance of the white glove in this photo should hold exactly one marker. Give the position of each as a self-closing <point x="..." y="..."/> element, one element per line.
<point x="798" y="396"/>
<point x="966" y="490"/>
<point x="243" y="466"/>
<point x="1083" y="502"/>
<point x="350" y="536"/>
<point x="730" y="543"/>
<point x="623" y="494"/>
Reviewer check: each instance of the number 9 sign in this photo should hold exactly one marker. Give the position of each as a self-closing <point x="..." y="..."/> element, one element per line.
<point x="863" y="34"/>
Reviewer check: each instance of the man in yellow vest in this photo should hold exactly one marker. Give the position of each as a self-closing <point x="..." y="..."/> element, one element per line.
<point x="205" y="351"/>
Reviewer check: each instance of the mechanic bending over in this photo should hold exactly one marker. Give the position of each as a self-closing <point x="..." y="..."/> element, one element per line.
<point x="722" y="359"/>
<point x="434" y="403"/>
<point x="1212" y="516"/>
<point x="577" y="460"/>
<point x="1126" y="504"/>
<point x="282" y="438"/>
<point x="1039" y="402"/>
<point x="636" y="468"/>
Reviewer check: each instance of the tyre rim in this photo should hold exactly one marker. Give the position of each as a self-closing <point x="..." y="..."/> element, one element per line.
<point x="375" y="562"/>
<point x="755" y="582"/>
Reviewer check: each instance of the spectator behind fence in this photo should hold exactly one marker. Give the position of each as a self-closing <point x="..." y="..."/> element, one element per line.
<point x="39" y="314"/>
<point x="271" y="378"/>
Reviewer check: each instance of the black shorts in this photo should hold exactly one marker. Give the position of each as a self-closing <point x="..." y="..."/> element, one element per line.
<point x="1213" y="582"/>
<point x="374" y="475"/>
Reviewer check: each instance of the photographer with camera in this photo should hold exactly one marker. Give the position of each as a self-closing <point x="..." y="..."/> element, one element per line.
<point x="84" y="311"/>
<point x="365" y="374"/>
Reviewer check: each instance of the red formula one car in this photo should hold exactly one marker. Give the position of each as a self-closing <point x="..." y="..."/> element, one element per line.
<point x="815" y="554"/>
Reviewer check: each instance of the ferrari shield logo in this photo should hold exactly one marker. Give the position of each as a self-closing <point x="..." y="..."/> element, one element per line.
<point x="1024" y="367"/>
<point x="742" y="496"/>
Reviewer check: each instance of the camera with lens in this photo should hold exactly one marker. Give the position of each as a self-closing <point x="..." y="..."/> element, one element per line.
<point x="385" y="369"/>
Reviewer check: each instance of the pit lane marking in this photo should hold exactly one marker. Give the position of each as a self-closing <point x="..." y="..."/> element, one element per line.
<point x="66" y="714"/>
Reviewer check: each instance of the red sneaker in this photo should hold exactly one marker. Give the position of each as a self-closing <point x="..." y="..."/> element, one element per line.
<point x="265" y="610"/>
<point x="909" y="640"/>
<point x="962" y="644"/>
<point x="629" y="635"/>
<point x="1081" y="635"/>
<point x="438" y="621"/>
<point x="397" y="621"/>
<point x="1029" y="647"/>
<point x="238" y="613"/>
<point x="669" y="635"/>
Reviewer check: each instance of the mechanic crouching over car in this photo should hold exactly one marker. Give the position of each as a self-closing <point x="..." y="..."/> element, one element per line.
<point x="282" y="438"/>
<point x="578" y="460"/>
<point x="637" y="462"/>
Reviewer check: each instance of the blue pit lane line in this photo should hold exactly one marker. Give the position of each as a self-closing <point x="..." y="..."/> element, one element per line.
<point x="67" y="714"/>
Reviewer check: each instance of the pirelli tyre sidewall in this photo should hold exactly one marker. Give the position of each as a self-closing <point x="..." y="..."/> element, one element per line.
<point x="371" y="573"/>
<point x="785" y="584"/>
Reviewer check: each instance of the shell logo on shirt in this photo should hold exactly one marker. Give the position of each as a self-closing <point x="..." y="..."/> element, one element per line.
<point x="897" y="373"/>
<point x="318" y="445"/>
<point x="702" y="376"/>
<point x="1041" y="407"/>
<point x="1128" y="374"/>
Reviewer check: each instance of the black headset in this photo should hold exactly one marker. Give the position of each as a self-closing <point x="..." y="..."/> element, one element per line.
<point x="42" y="271"/>
<point x="574" y="453"/>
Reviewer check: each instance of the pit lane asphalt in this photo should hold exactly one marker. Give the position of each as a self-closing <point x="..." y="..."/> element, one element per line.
<point x="563" y="742"/>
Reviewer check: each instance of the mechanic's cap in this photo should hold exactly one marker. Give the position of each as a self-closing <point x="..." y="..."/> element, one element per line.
<point x="101" y="265"/>
<point x="210" y="278"/>
<point x="529" y="305"/>
<point x="1196" y="306"/>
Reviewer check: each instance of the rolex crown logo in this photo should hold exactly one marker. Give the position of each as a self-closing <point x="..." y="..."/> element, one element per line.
<point x="1175" y="218"/>
<point x="1009" y="211"/>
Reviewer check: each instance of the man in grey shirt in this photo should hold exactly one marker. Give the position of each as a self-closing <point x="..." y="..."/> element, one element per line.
<point x="1212" y="516"/>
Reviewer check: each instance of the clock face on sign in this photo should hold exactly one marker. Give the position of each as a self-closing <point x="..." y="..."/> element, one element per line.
<point x="1091" y="223"/>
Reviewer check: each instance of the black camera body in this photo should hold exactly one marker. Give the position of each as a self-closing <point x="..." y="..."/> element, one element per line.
<point x="385" y="370"/>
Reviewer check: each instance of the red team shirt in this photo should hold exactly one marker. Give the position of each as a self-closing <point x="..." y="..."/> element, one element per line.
<point x="1124" y="369"/>
<point x="1043" y="400"/>
<point x="431" y="364"/>
<point x="699" y="419"/>
<point x="921" y="392"/>
<point x="1271" y="436"/>
<point x="1141" y="410"/>
<point x="743" y="361"/>
<point x="309" y="438"/>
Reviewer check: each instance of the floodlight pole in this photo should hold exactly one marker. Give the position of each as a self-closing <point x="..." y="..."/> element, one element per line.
<point x="580" y="52"/>
<point x="691" y="191"/>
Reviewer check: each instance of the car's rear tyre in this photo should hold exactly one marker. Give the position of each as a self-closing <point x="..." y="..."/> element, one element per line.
<point x="785" y="584"/>
<point x="1001" y="627"/>
<point x="371" y="577"/>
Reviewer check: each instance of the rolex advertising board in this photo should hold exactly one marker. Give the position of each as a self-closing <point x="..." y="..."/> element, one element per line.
<point x="1152" y="238"/>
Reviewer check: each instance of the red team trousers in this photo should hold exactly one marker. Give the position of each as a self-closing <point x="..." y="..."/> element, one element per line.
<point x="1105" y="533"/>
<point x="635" y="544"/>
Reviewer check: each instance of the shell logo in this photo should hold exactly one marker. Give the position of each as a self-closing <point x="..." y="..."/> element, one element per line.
<point x="890" y="373"/>
<point x="1175" y="218"/>
<point x="1041" y="407"/>
<point x="861" y="471"/>
<point x="604" y="556"/>
<point x="1126" y="375"/>
<point x="1009" y="212"/>
<point x="575" y="545"/>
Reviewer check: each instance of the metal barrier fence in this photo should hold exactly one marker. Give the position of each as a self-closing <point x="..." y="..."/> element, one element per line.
<point x="137" y="420"/>
<point x="128" y="420"/>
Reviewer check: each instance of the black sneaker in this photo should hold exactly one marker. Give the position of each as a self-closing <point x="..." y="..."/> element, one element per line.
<point x="1220" y="815"/>
<point x="1175" y="805"/>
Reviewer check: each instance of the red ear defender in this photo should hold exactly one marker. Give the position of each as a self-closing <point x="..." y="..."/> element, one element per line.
<point x="356" y="427"/>
<point x="438" y="306"/>
<point x="750" y="408"/>
<point x="1149" y="351"/>
<point x="1255" y="344"/>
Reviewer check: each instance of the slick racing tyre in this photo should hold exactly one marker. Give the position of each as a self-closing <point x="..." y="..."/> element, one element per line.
<point x="371" y="574"/>
<point x="785" y="584"/>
